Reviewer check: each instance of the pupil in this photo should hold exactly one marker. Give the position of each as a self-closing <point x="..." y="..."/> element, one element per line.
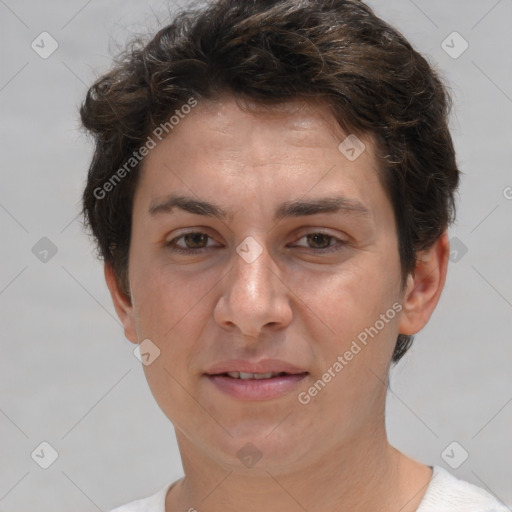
<point x="195" y="237"/>
<point x="315" y="237"/>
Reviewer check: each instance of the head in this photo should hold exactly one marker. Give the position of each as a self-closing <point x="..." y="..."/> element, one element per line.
<point x="255" y="107"/>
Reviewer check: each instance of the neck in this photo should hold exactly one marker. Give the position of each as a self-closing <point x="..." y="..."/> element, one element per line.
<point x="362" y="475"/>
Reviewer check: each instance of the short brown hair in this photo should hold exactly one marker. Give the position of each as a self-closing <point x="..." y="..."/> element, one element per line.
<point x="273" y="51"/>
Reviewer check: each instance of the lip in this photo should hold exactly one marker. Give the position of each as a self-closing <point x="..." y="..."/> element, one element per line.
<point x="262" y="366"/>
<point x="255" y="389"/>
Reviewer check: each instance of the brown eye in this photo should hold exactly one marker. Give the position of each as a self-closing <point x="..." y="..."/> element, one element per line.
<point x="194" y="242"/>
<point x="322" y="242"/>
<point x="319" y="240"/>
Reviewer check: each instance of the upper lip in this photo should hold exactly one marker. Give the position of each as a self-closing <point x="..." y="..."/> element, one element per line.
<point x="262" y="366"/>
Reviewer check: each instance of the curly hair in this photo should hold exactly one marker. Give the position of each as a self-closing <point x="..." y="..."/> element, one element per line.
<point x="270" y="51"/>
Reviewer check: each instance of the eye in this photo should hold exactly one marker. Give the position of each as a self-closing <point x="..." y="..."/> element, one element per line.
<point x="322" y="242"/>
<point x="194" y="242"/>
<point x="197" y="242"/>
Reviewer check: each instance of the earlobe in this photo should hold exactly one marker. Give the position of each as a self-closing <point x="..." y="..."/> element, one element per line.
<point x="424" y="286"/>
<point x="122" y="304"/>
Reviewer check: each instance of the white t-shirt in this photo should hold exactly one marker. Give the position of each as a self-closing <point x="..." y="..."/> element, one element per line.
<point x="445" y="493"/>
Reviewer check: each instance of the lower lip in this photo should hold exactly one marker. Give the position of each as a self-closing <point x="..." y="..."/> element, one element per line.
<point x="256" y="389"/>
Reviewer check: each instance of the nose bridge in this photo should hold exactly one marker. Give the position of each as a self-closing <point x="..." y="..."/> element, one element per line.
<point x="251" y="299"/>
<point x="252" y="281"/>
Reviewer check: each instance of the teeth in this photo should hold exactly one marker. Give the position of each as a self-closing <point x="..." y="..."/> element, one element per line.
<point x="263" y="375"/>
<point x="246" y="376"/>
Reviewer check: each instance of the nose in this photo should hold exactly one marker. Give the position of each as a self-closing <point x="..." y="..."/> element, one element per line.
<point x="254" y="297"/>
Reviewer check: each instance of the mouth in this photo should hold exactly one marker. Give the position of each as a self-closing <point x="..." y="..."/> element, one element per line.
<point x="254" y="376"/>
<point x="244" y="385"/>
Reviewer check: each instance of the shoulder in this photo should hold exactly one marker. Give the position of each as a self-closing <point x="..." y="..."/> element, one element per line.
<point x="447" y="493"/>
<point x="153" y="503"/>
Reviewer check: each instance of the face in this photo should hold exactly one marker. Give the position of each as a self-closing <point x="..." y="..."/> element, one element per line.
<point x="290" y="275"/>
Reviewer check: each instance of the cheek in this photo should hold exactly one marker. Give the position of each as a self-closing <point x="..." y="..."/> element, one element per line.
<point x="353" y="297"/>
<point x="165" y="297"/>
<point x="351" y="304"/>
<point x="172" y="309"/>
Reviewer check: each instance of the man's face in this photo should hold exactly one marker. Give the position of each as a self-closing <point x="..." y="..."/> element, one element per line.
<point x="298" y="290"/>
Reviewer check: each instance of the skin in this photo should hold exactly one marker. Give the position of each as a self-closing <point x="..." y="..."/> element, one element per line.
<point x="293" y="303"/>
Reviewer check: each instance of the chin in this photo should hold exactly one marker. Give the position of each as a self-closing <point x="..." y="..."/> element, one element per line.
<point x="259" y="446"/>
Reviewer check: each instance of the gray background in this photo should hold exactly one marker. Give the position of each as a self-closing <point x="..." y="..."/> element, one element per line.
<point x="69" y="377"/>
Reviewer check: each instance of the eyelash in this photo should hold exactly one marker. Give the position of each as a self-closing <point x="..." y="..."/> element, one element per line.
<point x="182" y="250"/>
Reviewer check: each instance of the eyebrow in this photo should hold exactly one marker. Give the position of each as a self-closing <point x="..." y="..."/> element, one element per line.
<point x="297" y="208"/>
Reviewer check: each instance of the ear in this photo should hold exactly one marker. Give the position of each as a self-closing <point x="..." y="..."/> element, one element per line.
<point x="122" y="304"/>
<point x="424" y="286"/>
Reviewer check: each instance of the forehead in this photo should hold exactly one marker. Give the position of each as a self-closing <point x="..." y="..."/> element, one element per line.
<point x="243" y="122"/>
<point x="292" y="145"/>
